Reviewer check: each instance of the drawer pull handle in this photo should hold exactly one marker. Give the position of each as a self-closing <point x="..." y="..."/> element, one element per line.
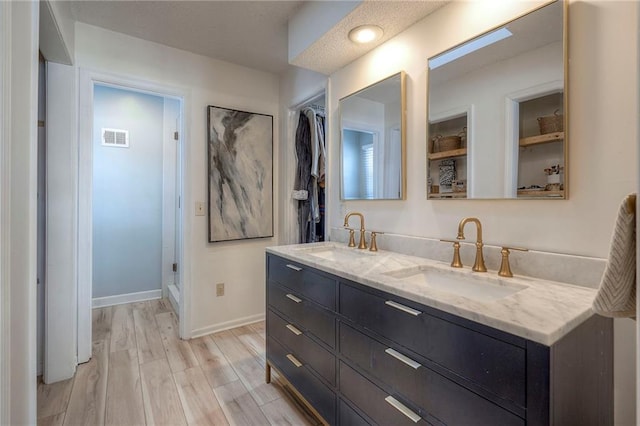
<point x="403" y="409"/>
<point x="402" y="308"/>
<point x="294" y="267"/>
<point x="404" y="359"/>
<point x="294" y="361"/>
<point x="294" y="330"/>
<point x="292" y="297"/>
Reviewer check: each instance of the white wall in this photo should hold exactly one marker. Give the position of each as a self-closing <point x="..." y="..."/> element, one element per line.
<point x="603" y="110"/>
<point x="240" y="264"/>
<point x="127" y="193"/>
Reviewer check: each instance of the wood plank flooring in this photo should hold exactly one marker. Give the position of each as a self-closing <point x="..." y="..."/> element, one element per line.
<point x="141" y="373"/>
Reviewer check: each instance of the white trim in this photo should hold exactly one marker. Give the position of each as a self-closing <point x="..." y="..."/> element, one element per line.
<point x="85" y="225"/>
<point x="87" y="80"/>
<point x="121" y="299"/>
<point x="173" y="294"/>
<point x="5" y="194"/>
<point x="227" y="325"/>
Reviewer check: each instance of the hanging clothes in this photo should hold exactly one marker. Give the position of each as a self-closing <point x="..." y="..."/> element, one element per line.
<point x="303" y="175"/>
<point x="310" y="175"/>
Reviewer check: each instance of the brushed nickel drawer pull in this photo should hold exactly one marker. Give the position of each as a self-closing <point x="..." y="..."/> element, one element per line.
<point x="294" y="330"/>
<point x="294" y="267"/>
<point x="402" y="308"/>
<point x="294" y="361"/>
<point x="403" y="409"/>
<point x="292" y="297"/>
<point x="402" y="358"/>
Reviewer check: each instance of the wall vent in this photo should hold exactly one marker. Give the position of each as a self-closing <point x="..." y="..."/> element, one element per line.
<point x="115" y="137"/>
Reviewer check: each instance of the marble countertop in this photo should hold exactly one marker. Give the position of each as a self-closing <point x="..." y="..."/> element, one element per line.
<point x="542" y="311"/>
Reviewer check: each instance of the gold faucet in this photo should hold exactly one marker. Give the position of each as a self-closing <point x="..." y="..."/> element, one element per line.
<point x="478" y="265"/>
<point x="363" y="243"/>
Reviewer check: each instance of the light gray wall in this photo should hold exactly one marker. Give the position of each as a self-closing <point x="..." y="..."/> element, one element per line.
<point x="127" y="194"/>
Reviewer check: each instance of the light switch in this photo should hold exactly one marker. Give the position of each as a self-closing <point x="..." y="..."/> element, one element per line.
<point x="200" y="208"/>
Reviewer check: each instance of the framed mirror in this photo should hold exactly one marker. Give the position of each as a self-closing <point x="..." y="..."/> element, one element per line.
<point x="372" y="141"/>
<point x="497" y="112"/>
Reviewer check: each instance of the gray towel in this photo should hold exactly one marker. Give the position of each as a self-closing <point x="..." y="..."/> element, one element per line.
<point x="617" y="293"/>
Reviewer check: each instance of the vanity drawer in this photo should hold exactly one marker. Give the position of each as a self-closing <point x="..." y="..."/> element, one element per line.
<point x="439" y="396"/>
<point x="304" y="280"/>
<point x="306" y="350"/>
<point x="311" y="388"/>
<point x="488" y="362"/>
<point x="376" y="402"/>
<point x="347" y="416"/>
<point x="306" y="314"/>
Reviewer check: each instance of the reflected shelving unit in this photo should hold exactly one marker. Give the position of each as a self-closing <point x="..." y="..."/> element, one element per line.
<point x="537" y="151"/>
<point x="454" y="125"/>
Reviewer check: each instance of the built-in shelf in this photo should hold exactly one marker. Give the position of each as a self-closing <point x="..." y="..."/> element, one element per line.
<point x="448" y="154"/>
<point x="535" y="140"/>
<point x="553" y="194"/>
<point x="449" y="195"/>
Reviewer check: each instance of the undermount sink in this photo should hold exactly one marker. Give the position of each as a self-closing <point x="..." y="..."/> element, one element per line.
<point x="336" y="253"/>
<point x="475" y="287"/>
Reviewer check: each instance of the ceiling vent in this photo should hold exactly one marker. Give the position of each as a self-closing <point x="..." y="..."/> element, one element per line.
<point x="115" y="137"/>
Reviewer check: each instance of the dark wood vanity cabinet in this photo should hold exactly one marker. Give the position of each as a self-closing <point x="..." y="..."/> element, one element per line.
<point x="358" y="355"/>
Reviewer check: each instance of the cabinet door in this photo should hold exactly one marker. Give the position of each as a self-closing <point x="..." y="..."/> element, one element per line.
<point x="494" y="365"/>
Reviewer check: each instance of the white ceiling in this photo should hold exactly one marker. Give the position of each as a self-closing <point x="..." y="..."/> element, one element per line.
<point x="249" y="33"/>
<point x="252" y="33"/>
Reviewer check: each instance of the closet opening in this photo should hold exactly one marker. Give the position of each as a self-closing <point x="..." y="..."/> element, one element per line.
<point x="308" y="195"/>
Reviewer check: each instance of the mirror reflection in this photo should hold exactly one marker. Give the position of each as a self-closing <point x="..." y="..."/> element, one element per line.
<point x="496" y="112"/>
<point x="372" y="141"/>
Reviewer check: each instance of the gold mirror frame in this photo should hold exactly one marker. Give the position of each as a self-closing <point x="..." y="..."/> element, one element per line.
<point x="346" y="111"/>
<point x="515" y="194"/>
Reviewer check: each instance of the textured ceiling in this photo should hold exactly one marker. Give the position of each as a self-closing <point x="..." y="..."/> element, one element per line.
<point x="249" y="33"/>
<point x="252" y="33"/>
<point x="334" y="50"/>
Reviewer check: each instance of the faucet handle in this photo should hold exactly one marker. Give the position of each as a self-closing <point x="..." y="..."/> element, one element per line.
<point x="374" y="246"/>
<point x="352" y="239"/>
<point x="456" y="262"/>
<point x="505" y="268"/>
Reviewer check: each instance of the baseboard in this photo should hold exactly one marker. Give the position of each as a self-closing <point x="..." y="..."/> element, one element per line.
<point x="174" y="297"/>
<point x="226" y="325"/>
<point x="119" y="299"/>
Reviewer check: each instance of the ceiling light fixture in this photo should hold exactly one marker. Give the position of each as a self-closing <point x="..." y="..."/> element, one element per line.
<point x="365" y="34"/>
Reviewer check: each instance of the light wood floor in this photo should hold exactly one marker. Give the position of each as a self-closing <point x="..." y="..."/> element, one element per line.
<point x="142" y="373"/>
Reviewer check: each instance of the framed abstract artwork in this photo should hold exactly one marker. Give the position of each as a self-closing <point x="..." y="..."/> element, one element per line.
<point x="240" y="174"/>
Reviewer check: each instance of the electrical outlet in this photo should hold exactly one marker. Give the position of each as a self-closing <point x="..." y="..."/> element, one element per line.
<point x="219" y="289"/>
<point x="200" y="211"/>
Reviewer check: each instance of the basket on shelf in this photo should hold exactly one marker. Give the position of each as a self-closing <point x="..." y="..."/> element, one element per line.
<point x="551" y="123"/>
<point x="448" y="143"/>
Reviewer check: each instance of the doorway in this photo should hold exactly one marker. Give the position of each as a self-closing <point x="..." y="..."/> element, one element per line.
<point x="134" y="198"/>
<point x="131" y="183"/>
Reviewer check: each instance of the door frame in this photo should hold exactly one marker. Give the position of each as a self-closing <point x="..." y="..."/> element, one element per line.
<point x="88" y="78"/>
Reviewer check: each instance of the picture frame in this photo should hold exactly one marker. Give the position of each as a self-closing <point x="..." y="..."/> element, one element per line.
<point x="240" y="174"/>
